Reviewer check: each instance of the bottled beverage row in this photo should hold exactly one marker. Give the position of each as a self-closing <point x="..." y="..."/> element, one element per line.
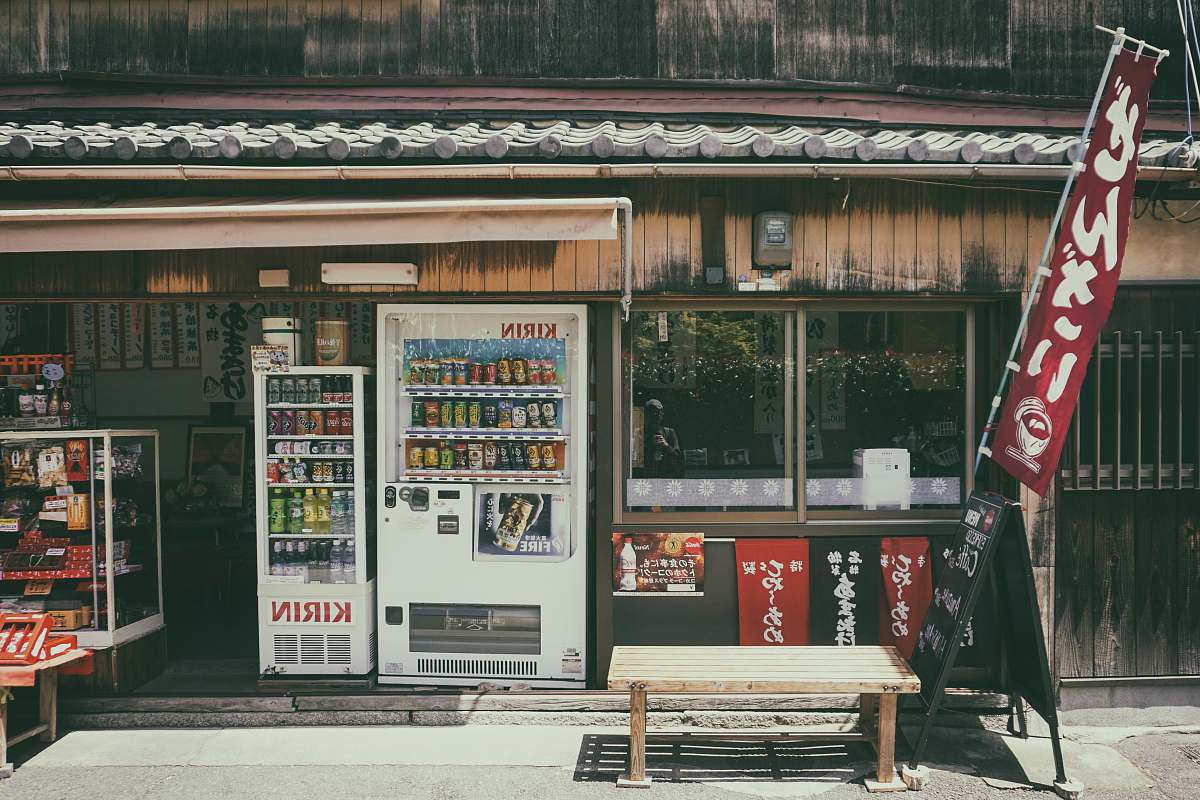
<point x="504" y="371"/>
<point x="315" y="560"/>
<point x="312" y="422"/>
<point x="310" y="390"/>
<point x="503" y="414"/>
<point x="489" y="456"/>
<point x="320" y="512"/>
<point x="39" y="400"/>
<point x="299" y="470"/>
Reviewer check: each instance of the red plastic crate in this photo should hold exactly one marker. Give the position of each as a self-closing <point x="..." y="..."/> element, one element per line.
<point x="22" y="638"/>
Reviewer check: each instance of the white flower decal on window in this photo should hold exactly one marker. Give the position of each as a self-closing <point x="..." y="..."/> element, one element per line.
<point x="707" y="488"/>
<point x="770" y="488"/>
<point x="641" y="488"/>
<point x="844" y="486"/>
<point x="813" y="487"/>
<point x="674" y="488"/>
<point x="738" y="488"/>
<point x="939" y="486"/>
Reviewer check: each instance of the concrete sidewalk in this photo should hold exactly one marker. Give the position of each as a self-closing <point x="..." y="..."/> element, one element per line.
<point x="533" y="762"/>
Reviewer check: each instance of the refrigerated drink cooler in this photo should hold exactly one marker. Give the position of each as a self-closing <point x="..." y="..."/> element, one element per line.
<point x="483" y="490"/>
<point x="315" y="521"/>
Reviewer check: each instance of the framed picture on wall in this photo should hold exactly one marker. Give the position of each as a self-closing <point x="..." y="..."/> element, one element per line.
<point x="216" y="457"/>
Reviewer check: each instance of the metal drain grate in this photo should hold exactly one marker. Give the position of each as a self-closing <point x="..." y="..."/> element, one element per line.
<point x="1192" y="751"/>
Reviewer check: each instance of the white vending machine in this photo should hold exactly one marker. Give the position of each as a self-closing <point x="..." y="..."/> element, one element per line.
<point x="316" y="521"/>
<point x="483" y="494"/>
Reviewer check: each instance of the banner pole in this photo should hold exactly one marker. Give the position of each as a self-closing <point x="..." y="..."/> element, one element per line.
<point x="1043" y="270"/>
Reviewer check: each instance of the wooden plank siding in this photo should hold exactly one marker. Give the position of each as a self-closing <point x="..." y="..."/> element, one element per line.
<point x="891" y="237"/>
<point x="1022" y="46"/>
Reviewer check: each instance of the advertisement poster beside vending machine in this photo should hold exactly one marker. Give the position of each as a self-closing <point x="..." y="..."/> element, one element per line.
<point x="483" y="510"/>
<point x="658" y="564"/>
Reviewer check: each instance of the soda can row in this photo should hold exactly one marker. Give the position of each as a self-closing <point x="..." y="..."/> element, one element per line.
<point x="310" y="390"/>
<point x="456" y="371"/>
<point x="484" y="414"/>
<point x="487" y="456"/>
<point x="310" y="423"/>
<point x="288" y="447"/>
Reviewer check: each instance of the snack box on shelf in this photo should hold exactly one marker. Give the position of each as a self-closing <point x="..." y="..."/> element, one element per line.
<point x="69" y="619"/>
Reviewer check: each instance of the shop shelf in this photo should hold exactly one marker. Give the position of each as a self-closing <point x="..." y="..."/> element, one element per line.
<point x="310" y="536"/>
<point x="541" y="434"/>
<point x="321" y="456"/>
<point x="459" y="476"/>
<point x="487" y="391"/>
<point x="313" y="436"/>
<point x="57" y="574"/>
<point x="290" y="406"/>
<point x="32" y="423"/>
<point x="324" y="485"/>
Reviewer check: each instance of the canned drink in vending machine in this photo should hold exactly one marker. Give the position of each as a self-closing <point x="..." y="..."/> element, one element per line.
<point x="333" y="423"/>
<point x="490" y="455"/>
<point x="349" y="472"/>
<point x="273" y="423"/>
<point x="416" y="457"/>
<point x="432" y="413"/>
<point x="445" y="457"/>
<point x="460" y="413"/>
<point x="489" y="372"/>
<point x="549" y="372"/>
<point x="504" y="414"/>
<point x="519" y="460"/>
<point x="534" y="412"/>
<point x="490" y="417"/>
<point x="432" y="460"/>
<point x="287" y="423"/>
<point x="475" y="455"/>
<point x="460" y="455"/>
<point x="474" y="414"/>
<point x="314" y="390"/>
<point x="347" y="423"/>
<point x="504" y="459"/>
<point x="549" y="459"/>
<point x="418" y="414"/>
<point x="534" y="369"/>
<point x="433" y="370"/>
<point x="475" y="376"/>
<point x="272" y="472"/>
<point x="460" y="372"/>
<point x="273" y="392"/>
<point x="520" y="376"/>
<point x="519" y="415"/>
<point x="416" y="372"/>
<point x="287" y="390"/>
<point x="504" y="375"/>
<point x="533" y="455"/>
<point x="316" y="422"/>
<point x="548" y="409"/>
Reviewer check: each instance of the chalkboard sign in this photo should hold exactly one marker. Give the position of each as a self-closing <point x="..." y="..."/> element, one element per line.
<point x="990" y="534"/>
<point x="983" y="519"/>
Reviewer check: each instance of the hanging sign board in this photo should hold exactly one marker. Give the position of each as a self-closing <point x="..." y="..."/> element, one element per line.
<point x="772" y="577"/>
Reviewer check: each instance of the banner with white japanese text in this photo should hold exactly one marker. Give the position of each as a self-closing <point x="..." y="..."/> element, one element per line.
<point x="844" y="591"/>
<point x="772" y="577"/>
<point x="1077" y="296"/>
<point x="228" y="330"/>
<point x="907" y="567"/>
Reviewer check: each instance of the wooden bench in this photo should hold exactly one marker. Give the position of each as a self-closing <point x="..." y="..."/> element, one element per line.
<point x="877" y="674"/>
<point x="47" y="672"/>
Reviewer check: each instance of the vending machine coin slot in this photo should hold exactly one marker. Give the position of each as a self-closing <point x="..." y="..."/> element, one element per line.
<point x="389" y="497"/>
<point x="447" y="524"/>
<point x="417" y="497"/>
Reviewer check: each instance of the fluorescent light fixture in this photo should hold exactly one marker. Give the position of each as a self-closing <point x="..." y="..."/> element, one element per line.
<point x="397" y="273"/>
<point x="273" y="278"/>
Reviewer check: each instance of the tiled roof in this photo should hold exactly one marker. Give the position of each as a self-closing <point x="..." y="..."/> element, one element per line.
<point x="525" y="141"/>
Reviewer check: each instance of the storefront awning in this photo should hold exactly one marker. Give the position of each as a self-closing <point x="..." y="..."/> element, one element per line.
<point x="192" y="224"/>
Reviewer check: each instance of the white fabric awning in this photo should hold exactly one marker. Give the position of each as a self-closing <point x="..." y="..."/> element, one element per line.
<point x="205" y="223"/>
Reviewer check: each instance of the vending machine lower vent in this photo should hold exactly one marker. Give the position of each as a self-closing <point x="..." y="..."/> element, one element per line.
<point x="338" y="650"/>
<point x="373" y="646"/>
<point x="476" y="666"/>
<point x="287" y="649"/>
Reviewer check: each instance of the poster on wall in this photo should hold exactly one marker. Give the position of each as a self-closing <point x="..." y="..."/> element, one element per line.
<point x="162" y="336"/>
<point x="512" y="525"/>
<point x="658" y="564"/>
<point x="228" y="331"/>
<point x="907" y="567"/>
<point x="83" y="333"/>
<point x="217" y="458"/>
<point x="187" y="335"/>
<point x="133" y="318"/>
<point x="362" y="333"/>
<point x="108" y="326"/>
<point x="772" y="577"/>
<point x="844" y="591"/>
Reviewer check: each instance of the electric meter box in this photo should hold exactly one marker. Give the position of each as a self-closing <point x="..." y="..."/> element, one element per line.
<point x="773" y="240"/>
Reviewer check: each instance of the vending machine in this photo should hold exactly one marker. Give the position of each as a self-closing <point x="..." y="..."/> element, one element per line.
<point x="314" y="437"/>
<point x="483" y="492"/>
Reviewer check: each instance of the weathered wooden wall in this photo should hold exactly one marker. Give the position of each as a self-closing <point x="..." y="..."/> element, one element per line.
<point x="850" y="237"/>
<point x="1025" y="46"/>
<point x="1127" y="589"/>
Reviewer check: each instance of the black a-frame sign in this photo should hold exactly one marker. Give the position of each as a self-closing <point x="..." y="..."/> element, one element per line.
<point x="991" y="534"/>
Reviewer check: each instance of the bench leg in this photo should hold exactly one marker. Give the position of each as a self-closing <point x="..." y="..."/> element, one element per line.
<point x="866" y="713"/>
<point x="886" y="779"/>
<point x="637" y="739"/>
<point x="48" y="704"/>
<point x="6" y="769"/>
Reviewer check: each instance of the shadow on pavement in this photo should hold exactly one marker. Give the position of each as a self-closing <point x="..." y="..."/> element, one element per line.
<point x="694" y="759"/>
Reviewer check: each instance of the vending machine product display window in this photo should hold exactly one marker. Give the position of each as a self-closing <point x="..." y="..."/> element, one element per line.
<point x="483" y="505"/>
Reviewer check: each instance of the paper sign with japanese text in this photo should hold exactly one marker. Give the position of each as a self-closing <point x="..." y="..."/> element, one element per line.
<point x="659" y="564"/>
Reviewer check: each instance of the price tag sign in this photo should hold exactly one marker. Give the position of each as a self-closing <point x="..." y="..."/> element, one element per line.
<point x="36" y="588"/>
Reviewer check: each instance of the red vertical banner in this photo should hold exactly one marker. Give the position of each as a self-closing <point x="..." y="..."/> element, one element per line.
<point x="772" y="591"/>
<point x="1077" y="296"/>
<point x="907" y="590"/>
